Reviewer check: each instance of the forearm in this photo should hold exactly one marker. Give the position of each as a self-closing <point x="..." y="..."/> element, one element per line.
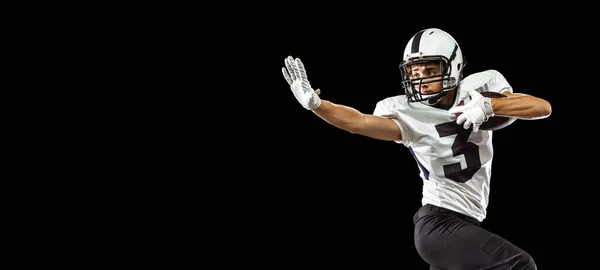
<point x="522" y="107"/>
<point x="340" y="116"/>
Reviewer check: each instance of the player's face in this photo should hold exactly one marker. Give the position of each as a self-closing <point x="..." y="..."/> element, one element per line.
<point x="430" y="72"/>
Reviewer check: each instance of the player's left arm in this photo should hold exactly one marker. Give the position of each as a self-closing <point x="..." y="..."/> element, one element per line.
<point x="521" y="106"/>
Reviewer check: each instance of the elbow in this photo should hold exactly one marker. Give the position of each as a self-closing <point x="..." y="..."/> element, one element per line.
<point x="542" y="110"/>
<point x="545" y="109"/>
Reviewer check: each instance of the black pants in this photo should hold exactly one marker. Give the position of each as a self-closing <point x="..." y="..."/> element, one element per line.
<point x="447" y="240"/>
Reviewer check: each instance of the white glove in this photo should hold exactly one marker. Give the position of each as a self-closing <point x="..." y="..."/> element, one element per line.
<point x="477" y="111"/>
<point x="295" y="75"/>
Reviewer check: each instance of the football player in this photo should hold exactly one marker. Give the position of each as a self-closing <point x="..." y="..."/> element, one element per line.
<point x="453" y="155"/>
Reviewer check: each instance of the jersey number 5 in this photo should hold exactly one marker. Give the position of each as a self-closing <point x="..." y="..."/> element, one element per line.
<point x="460" y="147"/>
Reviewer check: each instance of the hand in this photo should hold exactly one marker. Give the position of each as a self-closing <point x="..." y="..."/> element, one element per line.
<point x="477" y="111"/>
<point x="295" y="75"/>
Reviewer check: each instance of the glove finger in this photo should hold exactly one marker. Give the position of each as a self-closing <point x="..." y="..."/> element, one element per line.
<point x="467" y="124"/>
<point x="476" y="128"/>
<point x="286" y="75"/>
<point x="290" y="67"/>
<point x="461" y="118"/>
<point x="301" y="69"/>
<point x="296" y="70"/>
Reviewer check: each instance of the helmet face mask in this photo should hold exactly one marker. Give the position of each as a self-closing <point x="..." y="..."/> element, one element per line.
<point x="431" y="45"/>
<point x="412" y="84"/>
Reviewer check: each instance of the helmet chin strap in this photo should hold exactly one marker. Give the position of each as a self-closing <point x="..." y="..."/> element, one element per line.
<point x="434" y="100"/>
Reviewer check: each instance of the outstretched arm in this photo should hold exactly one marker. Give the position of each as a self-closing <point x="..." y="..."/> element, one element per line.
<point x="351" y="120"/>
<point x="340" y="116"/>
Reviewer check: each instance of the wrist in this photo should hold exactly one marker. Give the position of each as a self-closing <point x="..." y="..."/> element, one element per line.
<point x="487" y="107"/>
<point x="315" y="103"/>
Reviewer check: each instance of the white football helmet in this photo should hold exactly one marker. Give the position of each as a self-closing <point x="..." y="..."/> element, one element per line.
<point x="432" y="44"/>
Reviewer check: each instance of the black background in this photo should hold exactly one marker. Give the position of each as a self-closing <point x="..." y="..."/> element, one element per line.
<point x="198" y="153"/>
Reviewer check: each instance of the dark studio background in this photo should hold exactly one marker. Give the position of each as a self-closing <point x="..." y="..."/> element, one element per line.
<point x="204" y="154"/>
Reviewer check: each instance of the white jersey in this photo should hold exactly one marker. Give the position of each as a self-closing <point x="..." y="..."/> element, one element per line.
<point x="455" y="164"/>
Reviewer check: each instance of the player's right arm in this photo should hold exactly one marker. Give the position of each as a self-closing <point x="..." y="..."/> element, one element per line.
<point x="351" y="120"/>
<point x="340" y="116"/>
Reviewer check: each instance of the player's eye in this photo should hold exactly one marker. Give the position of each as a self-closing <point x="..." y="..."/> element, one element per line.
<point x="432" y="72"/>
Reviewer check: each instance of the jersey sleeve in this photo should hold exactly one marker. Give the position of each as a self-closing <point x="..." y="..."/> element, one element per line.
<point x="498" y="83"/>
<point x="385" y="109"/>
